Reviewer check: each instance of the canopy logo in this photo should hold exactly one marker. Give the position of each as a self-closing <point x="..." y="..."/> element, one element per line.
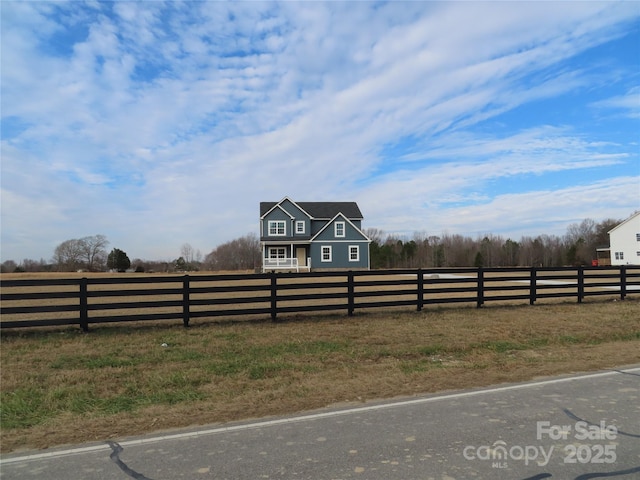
<point x="578" y="451"/>
<point x="500" y="455"/>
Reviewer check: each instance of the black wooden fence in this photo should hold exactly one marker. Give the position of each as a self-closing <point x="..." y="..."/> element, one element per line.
<point x="83" y="301"/>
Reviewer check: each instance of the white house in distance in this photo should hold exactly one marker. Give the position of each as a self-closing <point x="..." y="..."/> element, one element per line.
<point x="624" y="242"/>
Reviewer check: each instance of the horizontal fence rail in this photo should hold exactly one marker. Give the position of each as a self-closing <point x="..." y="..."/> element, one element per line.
<point x="85" y="301"/>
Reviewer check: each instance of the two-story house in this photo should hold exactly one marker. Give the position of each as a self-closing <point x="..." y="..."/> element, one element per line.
<point x="624" y="241"/>
<point x="319" y="235"/>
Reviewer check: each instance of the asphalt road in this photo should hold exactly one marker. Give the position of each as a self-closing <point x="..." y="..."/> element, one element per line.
<point x="575" y="427"/>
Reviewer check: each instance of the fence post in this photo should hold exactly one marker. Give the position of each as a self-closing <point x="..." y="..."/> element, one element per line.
<point x="84" y="305"/>
<point x="480" y="287"/>
<point x="185" y="300"/>
<point x="274" y="296"/>
<point x="623" y="282"/>
<point x="350" y="293"/>
<point x="532" y="286"/>
<point x="580" y="283"/>
<point x="420" y="289"/>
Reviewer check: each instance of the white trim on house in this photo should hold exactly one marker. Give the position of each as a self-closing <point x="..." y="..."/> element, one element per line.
<point x="284" y="263"/>
<point x="301" y="231"/>
<point x="297" y="206"/>
<point x="275" y="257"/>
<point x="277" y="205"/>
<point x="340" y="214"/>
<point x="636" y="214"/>
<point x="275" y="253"/>
<point x="274" y="230"/>
<point x="262" y="233"/>
<point x="624" y="241"/>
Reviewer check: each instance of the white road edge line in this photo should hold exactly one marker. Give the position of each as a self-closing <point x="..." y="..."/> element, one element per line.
<point x="313" y="416"/>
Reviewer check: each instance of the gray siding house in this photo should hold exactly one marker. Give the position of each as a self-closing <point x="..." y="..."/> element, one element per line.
<point x="312" y="235"/>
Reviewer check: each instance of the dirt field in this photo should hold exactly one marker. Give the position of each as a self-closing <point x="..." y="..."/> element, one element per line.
<point x="60" y="386"/>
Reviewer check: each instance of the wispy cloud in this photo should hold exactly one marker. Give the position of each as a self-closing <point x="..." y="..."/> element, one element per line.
<point x="627" y="104"/>
<point x="158" y="123"/>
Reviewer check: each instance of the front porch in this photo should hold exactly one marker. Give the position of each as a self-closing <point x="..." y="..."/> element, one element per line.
<point x="285" y="264"/>
<point x="285" y="257"/>
<point x="603" y="256"/>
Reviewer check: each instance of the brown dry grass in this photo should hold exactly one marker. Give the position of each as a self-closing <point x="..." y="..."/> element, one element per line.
<point x="61" y="387"/>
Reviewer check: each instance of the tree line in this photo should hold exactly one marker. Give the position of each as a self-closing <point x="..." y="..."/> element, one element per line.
<point x="576" y="247"/>
<point x="90" y="254"/>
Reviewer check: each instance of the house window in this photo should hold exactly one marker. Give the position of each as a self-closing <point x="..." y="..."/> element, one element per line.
<point x="354" y="253"/>
<point x="277" y="228"/>
<point x="619" y="255"/>
<point x="300" y="226"/>
<point x="276" y="253"/>
<point x="326" y="253"/>
<point x="638" y="237"/>
<point x="339" y="229"/>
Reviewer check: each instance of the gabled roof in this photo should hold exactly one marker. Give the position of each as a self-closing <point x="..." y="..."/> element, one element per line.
<point x="277" y="205"/>
<point x="320" y="210"/>
<point x="330" y="222"/>
<point x="626" y="221"/>
<point x="331" y="209"/>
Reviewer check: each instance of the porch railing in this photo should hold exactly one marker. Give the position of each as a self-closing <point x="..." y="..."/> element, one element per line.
<point x="284" y="263"/>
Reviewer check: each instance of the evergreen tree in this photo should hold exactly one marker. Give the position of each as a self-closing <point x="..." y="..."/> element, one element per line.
<point x="118" y="260"/>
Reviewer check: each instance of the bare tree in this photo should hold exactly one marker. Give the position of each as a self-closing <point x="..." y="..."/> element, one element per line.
<point x="88" y="253"/>
<point x="240" y="254"/>
<point x="29" y="265"/>
<point x="187" y="252"/>
<point x="581" y="240"/>
<point x="602" y="231"/>
<point x="490" y="249"/>
<point x="8" y="266"/>
<point x="458" y="251"/>
<point x="68" y="255"/>
<point x="584" y="230"/>
<point x="422" y="257"/>
<point x="375" y="235"/>
<point x="94" y="251"/>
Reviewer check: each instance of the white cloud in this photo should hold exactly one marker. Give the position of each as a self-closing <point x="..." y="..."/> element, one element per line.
<point x="175" y="120"/>
<point x="533" y="211"/>
<point x="629" y="103"/>
<point x="514" y="214"/>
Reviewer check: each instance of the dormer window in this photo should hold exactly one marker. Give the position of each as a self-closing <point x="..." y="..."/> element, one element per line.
<point x="277" y="228"/>
<point x="300" y="227"/>
<point x="339" y="229"/>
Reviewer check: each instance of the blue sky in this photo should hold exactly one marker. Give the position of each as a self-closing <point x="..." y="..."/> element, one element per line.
<point x="158" y="124"/>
